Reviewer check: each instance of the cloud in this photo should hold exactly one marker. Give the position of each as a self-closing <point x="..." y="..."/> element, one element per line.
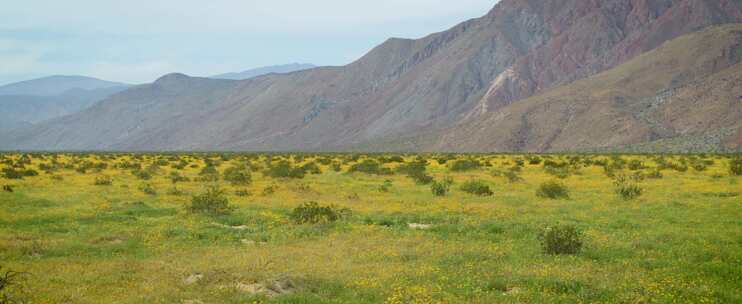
<point x="138" y="40"/>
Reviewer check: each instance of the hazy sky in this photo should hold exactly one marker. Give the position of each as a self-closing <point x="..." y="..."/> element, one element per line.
<point x="137" y="41"/>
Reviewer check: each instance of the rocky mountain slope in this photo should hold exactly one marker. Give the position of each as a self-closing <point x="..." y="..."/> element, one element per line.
<point x="408" y="94"/>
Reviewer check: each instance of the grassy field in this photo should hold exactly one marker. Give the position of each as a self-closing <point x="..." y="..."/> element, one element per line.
<point x="235" y="228"/>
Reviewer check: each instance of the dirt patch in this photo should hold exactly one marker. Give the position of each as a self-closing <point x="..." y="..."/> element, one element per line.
<point x="272" y="288"/>
<point x="241" y="227"/>
<point x="417" y="226"/>
<point x="193" y="279"/>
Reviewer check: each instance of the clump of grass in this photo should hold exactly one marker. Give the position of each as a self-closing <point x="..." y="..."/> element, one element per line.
<point x="477" y="187"/>
<point x="8" y="188"/>
<point x="313" y="213"/>
<point x="238" y="176"/>
<point x="735" y="166"/>
<point x="176" y="177"/>
<point x="213" y="201"/>
<point x="553" y="190"/>
<point x="242" y="193"/>
<point x="103" y="181"/>
<point x="561" y="239"/>
<point x="416" y="171"/>
<point x="8" y="279"/>
<point x="627" y="186"/>
<point x="369" y="166"/>
<point x="283" y="169"/>
<point x="462" y="165"/>
<point x="175" y="191"/>
<point x="441" y="188"/>
<point x="386" y="186"/>
<point x="147" y="188"/>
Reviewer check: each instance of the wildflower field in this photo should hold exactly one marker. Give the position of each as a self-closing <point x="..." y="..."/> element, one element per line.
<point x="370" y="228"/>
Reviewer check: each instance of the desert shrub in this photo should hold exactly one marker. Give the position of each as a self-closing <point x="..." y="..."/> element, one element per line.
<point x="283" y="169"/>
<point x="313" y="213"/>
<point x="476" y="187"/>
<point x="534" y="160"/>
<point x="142" y="174"/>
<point x="654" y="174"/>
<point x="147" y="189"/>
<point x="636" y="164"/>
<point x="559" y="172"/>
<point x="238" y="176"/>
<point x="465" y="165"/>
<point x="11" y="173"/>
<point x="627" y="187"/>
<point x="417" y="171"/>
<point x="176" y="177"/>
<point x="735" y="166"/>
<point x="8" y="188"/>
<point x="511" y="174"/>
<point x="242" y="192"/>
<point x="9" y="279"/>
<point x="268" y="190"/>
<point x="440" y="188"/>
<point x="209" y="173"/>
<point x="386" y="186"/>
<point x="369" y="166"/>
<point x="175" y="191"/>
<point x="553" y="190"/>
<point x="103" y="181"/>
<point x="311" y="168"/>
<point x="337" y="167"/>
<point x="561" y="239"/>
<point x="213" y="201"/>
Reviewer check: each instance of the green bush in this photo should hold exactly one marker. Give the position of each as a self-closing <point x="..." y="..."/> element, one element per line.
<point x="735" y="166"/>
<point x="386" y="186"/>
<point x="313" y="213"/>
<point x="283" y="169"/>
<point x="627" y="187"/>
<point x="213" y="201"/>
<point x="238" y="176"/>
<point x="416" y="171"/>
<point x="8" y="188"/>
<point x="143" y="175"/>
<point x="442" y="187"/>
<point x="553" y="190"/>
<point x="476" y="187"/>
<point x="10" y="173"/>
<point x="369" y="166"/>
<point x="465" y="165"/>
<point x="8" y="279"/>
<point x="561" y="239"/>
<point x="147" y="189"/>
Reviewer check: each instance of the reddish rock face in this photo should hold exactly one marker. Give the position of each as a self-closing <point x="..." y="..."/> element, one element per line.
<point x="589" y="37"/>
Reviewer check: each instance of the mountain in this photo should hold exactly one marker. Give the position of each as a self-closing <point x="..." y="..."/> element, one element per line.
<point x="278" y="69"/>
<point x="478" y="86"/>
<point x="56" y="85"/>
<point x="28" y="102"/>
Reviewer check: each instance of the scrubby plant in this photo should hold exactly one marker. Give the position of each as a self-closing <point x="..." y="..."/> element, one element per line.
<point x="386" y="186"/>
<point x="148" y="189"/>
<point x="283" y="169"/>
<point x="142" y="174"/>
<point x="213" y="201"/>
<point x="735" y="166"/>
<point x="238" y="176"/>
<point x="242" y="192"/>
<point x="440" y="188"/>
<point x="176" y="177"/>
<point x="9" y="279"/>
<point x="465" y="165"/>
<point x="476" y="187"/>
<point x="561" y="239"/>
<point x="313" y="213"/>
<point x="627" y="187"/>
<point x="175" y="191"/>
<point x="370" y="166"/>
<point x="553" y="190"/>
<point x="8" y="188"/>
<point x="103" y="181"/>
<point x="417" y="171"/>
<point x="11" y="173"/>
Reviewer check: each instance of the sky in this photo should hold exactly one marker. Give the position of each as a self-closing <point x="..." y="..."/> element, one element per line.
<point x="136" y="41"/>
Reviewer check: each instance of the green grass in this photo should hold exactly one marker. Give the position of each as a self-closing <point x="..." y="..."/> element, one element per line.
<point x="81" y="243"/>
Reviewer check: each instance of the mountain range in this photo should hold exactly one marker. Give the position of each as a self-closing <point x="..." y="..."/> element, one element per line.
<point x="530" y="75"/>
<point x="278" y="69"/>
